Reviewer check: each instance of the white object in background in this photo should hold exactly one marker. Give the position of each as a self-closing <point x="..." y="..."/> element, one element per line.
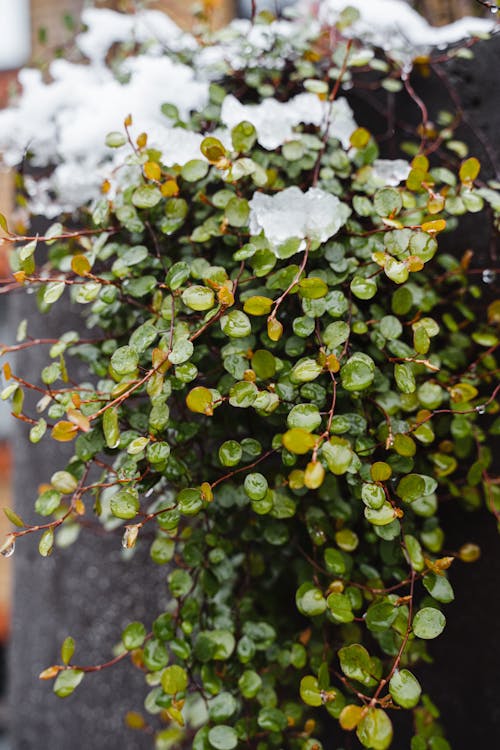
<point x="15" y="48"/>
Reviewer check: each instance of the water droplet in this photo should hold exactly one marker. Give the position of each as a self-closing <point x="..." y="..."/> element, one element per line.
<point x="481" y="409"/>
<point x="494" y="9"/>
<point x="488" y="276"/>
<point x="347" y="86"/>
<point x="8" y="547"/>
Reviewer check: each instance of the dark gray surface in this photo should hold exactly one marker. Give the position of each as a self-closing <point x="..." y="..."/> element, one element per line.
<point x="86" y="591"/>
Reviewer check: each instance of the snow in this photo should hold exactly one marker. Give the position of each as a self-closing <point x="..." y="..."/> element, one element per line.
<point x="63" y="123"/>
<point x="242" y="45"/>
<point x="315" y="215"/>
<point x="390" y="171"/>
<point x="275" y="121"/>
<point x="395" y="26"/>
<point x="106" y="28"/>
<point x="342" y="122"/>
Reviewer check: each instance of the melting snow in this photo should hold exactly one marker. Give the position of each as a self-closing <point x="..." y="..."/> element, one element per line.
<point x="315" y="215"/>
<point x="390" y="171"/>
<point x="396" y="27"/>
<point x="274" y="121"/>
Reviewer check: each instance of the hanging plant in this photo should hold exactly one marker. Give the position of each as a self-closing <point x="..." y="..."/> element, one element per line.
<point x="286" y="377"/>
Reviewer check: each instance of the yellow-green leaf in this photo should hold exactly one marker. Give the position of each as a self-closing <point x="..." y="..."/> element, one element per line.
<point x="258" y="305"/>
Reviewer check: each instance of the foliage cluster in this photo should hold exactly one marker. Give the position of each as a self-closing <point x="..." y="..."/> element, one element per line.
<point x="286" y="379"/>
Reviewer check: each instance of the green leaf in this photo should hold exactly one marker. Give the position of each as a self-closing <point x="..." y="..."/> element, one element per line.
<point x="194" y="170"/>
<point x="146" y="196"/>
<point x="143" y="337"/>
<point x="439" y="587"/>
<point x="199" y="298"/>
<point x="3" y="224"/>
<point x="190" y="501"/>
<point x="230" y="453"/>
<point x="429" y="622"/>
<point x="46" y="544"/>
<point x="405" y="688"/>
<point x="272" y="719"/>
<point x="223" y="737"/>
<point x="125" y="503"/>
<point x="133" y="636"/>
<point x="182" y="351"/>
<point x="298" y="440"/>
<point x="66" y="682"/>
<point x="469" y="169"/>
<point x="250" y="683"/>
<point x="155" y="655"/>
<point x="48" y="502"/>
<point x="14" y="518"/>
<point x="116" y="139"/>
<point x="380" y="616"/>
<point x="243" y="136"/>
<point x="237" y="212"/>
<point x="356" y="664"/>
<point x="263" y="364"/>
<point x="212" y="149"/>
<point x="312" y="288"/>
<point x="305" y="371"/>
<point x="177" y="275"/>
<point x="387" y="202"/>
<point x="200" y="400"/>
<point x="357" y="374"/>
<point x="310" y="691"/>
<point x="38" y="431"/>
<point x="67" y="650"/>
<point x="124" y="360"/>
<point x="336" y="333"/>
<point x="404" y="377"/>
<point x="380" y="516"/>
<point x="53" y="291"/>
<point x="174" y="680"/>
<point x="304" y="416"/>
<point x="310" y="600"/>
<point x="64" y="482"/>
<point x="340" y="607"/>
<point x="236" y="324"/>
<point x="222" y="707"/>
<point x="375" y="729"/>
<point x="415" y="486"/>
<point x="256" y="486"/>
<point x="373" y="495"/>
<point x="258" y="305"/>
<point x="363" y="288"/>
<point x="338" y="455"/>
<point x="111" y="427"/>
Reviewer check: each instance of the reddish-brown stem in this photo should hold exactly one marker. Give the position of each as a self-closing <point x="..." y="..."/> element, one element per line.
<point x="242" y="468"/>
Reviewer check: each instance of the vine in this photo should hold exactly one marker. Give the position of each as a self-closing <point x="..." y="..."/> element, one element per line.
<point x="286" y="379"/>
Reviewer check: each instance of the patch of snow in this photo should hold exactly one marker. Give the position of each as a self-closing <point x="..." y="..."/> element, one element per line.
<point x="274" y="121"/>
<point x="106" y="28"/>
<point x="241" y="45"/>
<point x="395" y="26"/>
<point x="342" y="122"/>
<point x="64" y="123"/>
<point x="390" y="171"/>
<point x="292" y="214"/>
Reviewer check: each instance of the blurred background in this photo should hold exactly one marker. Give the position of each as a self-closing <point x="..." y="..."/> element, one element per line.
<point x="33" y="33"/>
